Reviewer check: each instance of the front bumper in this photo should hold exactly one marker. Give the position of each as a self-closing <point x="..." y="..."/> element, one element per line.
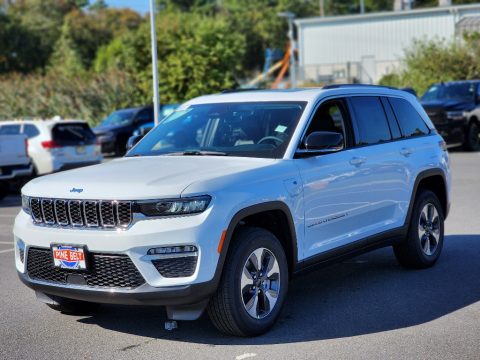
<point x="134" y="243"/>
<point x="143" y="295"/>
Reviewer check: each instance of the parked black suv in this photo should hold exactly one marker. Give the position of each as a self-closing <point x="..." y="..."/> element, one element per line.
<point x="451" y="106"/>
<point x="114" y="131"/>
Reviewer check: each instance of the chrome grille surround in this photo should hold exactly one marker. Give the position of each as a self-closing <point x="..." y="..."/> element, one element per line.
<point x="103" y="214"/>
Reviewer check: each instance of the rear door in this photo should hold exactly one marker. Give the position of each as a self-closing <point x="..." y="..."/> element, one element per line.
<point x="75" y="142"/>
<point x="377" y="162"/>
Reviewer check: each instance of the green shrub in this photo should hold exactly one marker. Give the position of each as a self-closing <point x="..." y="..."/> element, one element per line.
<point x="88" y="98"/>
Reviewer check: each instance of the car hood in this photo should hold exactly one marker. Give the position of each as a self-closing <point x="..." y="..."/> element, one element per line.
<point x="138" y="178"/>
<point x="448" y="105"/>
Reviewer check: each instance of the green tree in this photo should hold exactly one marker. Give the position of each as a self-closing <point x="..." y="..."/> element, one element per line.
<point x="197" y="55"/>
<point x="430" y="61"/>
<point x="83" y="33"/>
<point x="98" y="5"/>
<point x="44" y="19"/>
<point x="18" y="46"/>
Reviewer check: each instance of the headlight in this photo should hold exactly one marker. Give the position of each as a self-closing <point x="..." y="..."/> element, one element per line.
<point x="174" y="207"/>
<point x="455" y="115"/>
<point x="26" y="204"/>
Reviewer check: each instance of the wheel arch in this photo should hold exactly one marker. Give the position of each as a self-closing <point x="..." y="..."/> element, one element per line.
<point x="435" y="181"/>
<point x="274" y="216"/>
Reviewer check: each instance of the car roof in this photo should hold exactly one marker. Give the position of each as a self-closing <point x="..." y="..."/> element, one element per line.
<point x="303" y="94"/>
<point x="49" y="122"/>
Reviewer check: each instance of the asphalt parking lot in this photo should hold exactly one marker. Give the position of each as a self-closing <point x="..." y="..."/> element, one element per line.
<point x="364" y="308"/>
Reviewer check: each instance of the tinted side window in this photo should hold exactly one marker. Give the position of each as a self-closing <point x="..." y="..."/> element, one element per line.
<point x="409" y="119"/>
<point x="145" y="115"/>
<point x="30" y="130"/>
<point x="371" y="121"/>
<point x="10" y="130"/>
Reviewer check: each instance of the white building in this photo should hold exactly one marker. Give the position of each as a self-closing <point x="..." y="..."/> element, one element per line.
<point x="365" y="47"/>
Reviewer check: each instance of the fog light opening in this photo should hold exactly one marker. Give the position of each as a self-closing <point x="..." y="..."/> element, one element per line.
<point x="173" y="250"/>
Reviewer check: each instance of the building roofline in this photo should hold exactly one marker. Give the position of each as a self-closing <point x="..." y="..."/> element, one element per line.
<point x="385" y="14"/>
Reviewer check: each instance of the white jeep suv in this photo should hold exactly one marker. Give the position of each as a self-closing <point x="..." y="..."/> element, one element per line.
<point x="232" y="195"/>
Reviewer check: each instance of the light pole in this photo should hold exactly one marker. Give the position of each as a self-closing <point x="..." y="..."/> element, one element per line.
<point x="290" y="16"/>
<point x="153" y="36"/>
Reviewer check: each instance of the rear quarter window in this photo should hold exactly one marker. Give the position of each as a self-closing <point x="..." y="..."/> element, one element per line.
<point x="410" y="121"/>
<point x="370" y="120"/>
<point x="73" y="134"/>
<point x="30" y="130"/>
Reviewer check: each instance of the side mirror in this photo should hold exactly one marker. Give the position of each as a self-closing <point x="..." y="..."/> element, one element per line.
<point x="323" y="142"/>
<point x="133" y="140"/>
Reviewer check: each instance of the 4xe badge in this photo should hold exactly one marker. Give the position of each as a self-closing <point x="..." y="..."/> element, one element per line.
<point x="69" y="257"/>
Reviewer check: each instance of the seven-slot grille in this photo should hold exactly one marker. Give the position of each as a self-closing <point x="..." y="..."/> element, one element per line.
<point x="81" y="213"/>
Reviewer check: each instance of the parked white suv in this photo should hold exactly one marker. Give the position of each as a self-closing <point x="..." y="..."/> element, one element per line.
<point x="55" y="145"/>
<point x="233" y="194"/>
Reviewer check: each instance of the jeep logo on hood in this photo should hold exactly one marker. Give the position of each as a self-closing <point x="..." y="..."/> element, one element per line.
<point x="74" y="190"/>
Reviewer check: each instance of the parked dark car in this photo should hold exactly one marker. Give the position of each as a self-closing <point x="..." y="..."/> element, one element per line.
<point x="143" y="130"/>
<point x="451" y="107"/>
<point x="114" y="131"/>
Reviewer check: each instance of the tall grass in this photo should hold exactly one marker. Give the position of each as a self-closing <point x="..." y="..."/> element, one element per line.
<point x="88" y="97"/>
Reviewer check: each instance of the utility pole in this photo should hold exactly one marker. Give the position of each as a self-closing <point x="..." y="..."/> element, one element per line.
<point x="362" y="6"/>
<point x="156" y="92"/>
<point x="322" y="8"/>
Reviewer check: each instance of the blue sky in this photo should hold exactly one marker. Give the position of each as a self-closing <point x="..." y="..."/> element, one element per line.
<point x="141" y="6"/>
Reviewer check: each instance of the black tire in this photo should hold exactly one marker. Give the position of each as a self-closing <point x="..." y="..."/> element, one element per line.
<point x="73" y="307"/>
<point x="412" y="253"/>
<point x="4" y="188"/>
<point x="472" y="139"/>
<point x="227" y="309"/>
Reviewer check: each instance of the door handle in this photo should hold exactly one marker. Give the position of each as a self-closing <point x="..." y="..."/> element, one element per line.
<point x="406" y="152"/>
<point x="357" y="161"/>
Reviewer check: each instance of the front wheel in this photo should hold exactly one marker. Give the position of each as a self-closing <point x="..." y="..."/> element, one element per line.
<point x="253" y="286"/>
<point x="424" y="243"/>
<point x="472" y="142"/>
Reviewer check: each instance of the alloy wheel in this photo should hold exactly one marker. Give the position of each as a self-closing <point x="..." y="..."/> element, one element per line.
<point x="260" y="283"/>
<point x="429" y="229"/>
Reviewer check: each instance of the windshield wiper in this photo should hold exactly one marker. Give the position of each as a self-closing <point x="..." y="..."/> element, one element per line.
<point x="198" y="153"/>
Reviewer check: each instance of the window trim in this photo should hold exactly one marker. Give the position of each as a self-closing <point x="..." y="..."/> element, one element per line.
<point x="391" y="118"/>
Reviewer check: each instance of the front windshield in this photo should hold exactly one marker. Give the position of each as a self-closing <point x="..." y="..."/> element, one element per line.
<point x="120" y="117"/>
<point x="259" y="129"/>
<point x="454" y="91"/>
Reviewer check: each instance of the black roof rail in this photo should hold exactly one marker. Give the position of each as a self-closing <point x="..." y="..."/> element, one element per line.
<point x="229" y="91"/>
<point x="339" y="86"/>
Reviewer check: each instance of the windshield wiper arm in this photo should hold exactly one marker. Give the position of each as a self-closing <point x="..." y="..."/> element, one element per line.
<point x="198" y="153"/>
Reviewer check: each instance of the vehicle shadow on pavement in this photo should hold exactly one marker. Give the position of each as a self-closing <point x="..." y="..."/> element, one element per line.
<point x="368" y="294"/>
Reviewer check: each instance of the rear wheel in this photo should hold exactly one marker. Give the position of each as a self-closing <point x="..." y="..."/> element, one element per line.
<point x="423" y="245"/>
<point x="72" y="307"/>
<point x="253" y="285"/>
<point x="472" y="142"/>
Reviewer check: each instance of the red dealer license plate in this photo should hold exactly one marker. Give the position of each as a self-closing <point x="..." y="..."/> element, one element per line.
<point x="69" y="257"/>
